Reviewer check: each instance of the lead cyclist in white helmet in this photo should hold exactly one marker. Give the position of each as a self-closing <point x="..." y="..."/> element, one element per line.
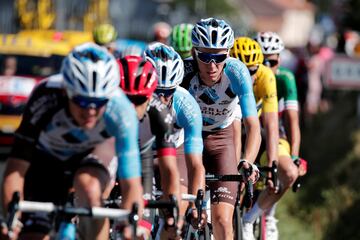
<point x="77" y="127"/>
<point x="219" y="83"/>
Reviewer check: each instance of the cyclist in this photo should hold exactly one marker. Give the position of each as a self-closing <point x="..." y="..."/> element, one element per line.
<point x="161" y="32"/>
<point x="289" y="143"/>
<point x="249" y="51"/>
<point x="219" y="83"/>
<point x="188" y="121"/>
<point x="130" y="47"/>
<point x="104" y="35"/>
<point x="74" y="125"/>
<point x="180" y="39"/>
<point x="139" y="80"/>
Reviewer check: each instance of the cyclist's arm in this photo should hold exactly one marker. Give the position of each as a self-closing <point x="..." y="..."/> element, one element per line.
<point x="253" y="138"/>
<point x="270" y="115"/>
<point x="122" y="122"/>
<point x="189" y="117"/>
<point x="292" y="119"/>
<point x="13" y="180"/>
<point x="18" y="161"/>
<point x="291" y="111"/>
<point x="241" y="84"/>
<point x="271" y="126"/>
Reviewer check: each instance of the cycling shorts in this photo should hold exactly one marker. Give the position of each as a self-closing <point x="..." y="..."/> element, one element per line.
<point x="219" y="158"/>
<point x="283" y="151"/>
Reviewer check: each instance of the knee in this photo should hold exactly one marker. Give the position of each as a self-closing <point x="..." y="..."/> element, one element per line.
<point x="223" y="222"/>
<point x="291" y="174"/>
<point x="88" y="190"/>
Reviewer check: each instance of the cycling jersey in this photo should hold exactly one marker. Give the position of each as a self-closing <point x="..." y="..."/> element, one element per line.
<point x="157" y="125"/>
<point x="219" y="103"/>
<point x="287" y="94"/>
<point x="47" y="126"/>
<point x="188" y="122"/>
<point x="286" y="90"/>
<point x="265" y="90"/>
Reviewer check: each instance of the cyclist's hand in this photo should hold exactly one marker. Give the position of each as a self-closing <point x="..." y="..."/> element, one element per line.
<point x="142" y="233"/>
<point x="254" y="173"/>
<point x="4" y="232"/>
<point x="194" y="218"/>
<point x="302" y="167"/>
<point x="271" y="186"/>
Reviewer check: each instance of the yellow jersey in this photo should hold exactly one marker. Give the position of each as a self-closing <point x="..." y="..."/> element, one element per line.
<point x="265" y="90"/>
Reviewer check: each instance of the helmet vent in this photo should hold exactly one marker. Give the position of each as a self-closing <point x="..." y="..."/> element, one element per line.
<point x="126" y="72"/>
<point x="214" y="23"/>
<point x="214" y="35"/>
<point x="163" y="73"/>
<point x="94" y="79"/>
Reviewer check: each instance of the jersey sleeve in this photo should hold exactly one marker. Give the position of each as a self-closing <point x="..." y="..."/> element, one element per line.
<point x="241" y="85"/>
<point x="289" y="87"/>
<point x="40" y="106"/>
<point x="162" y="126"/>
<point x="188" y="117"/>
<point x="122" y="123"/>
<point x="270" y="100"/>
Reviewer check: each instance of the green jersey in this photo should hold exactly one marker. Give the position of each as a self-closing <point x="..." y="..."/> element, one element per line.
<point x="287" y="95"/>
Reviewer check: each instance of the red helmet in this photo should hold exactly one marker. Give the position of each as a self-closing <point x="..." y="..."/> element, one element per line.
<point x="138" y="76"/>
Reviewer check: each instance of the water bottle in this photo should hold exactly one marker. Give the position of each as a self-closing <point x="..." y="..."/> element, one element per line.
<point x="67" y="231"/>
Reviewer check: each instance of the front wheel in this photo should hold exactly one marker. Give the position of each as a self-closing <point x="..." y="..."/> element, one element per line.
<point x="238" y="224"/>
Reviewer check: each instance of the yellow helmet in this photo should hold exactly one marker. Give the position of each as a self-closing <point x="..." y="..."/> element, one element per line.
<point x="247" y="50"/>
<point x="104" y="34"/>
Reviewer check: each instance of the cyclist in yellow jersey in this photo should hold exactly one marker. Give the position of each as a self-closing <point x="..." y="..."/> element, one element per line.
<point x="264" y="86"/>
<point x="289" y="130"/>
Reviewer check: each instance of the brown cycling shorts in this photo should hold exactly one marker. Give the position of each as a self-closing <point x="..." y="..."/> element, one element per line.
<point x="219" y="158"/>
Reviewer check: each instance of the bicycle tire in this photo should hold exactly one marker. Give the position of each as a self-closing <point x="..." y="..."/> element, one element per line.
<point x="260" y="228"/>
<point x="238" y="224"/>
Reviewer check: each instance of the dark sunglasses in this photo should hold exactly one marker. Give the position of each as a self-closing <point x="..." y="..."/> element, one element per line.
<point x="165" y="92"/>
<point x="271" y="62"/>
<point x="89" y="102"/>
<point x="207" y="58"/>
<point x="137" y="100"/>
<point x="253" y="69"/>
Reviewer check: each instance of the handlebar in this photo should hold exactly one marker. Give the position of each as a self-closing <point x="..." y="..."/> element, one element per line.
<point x="274" y="174"/>
<point x="48" y="207"/>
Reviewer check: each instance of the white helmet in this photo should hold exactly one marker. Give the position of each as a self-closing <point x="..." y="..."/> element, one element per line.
<point x="168" y="63"/>
<point x="270" y="42"/>
<point x="90" y="71"/>
<point x="212" y="33"/>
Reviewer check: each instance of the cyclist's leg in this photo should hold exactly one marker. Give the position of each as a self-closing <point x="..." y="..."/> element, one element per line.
<point x="91" y="180"/>
<point x="287" y="175"/>
<point x="45" y="181"/>
<point x="219" y="158"/>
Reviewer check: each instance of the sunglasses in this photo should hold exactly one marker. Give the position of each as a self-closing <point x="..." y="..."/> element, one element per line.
<point x="137" y="100"/>
<point x="165" y="92"/>
<point x="207" y="58"/>
<point x="253" y="69"/>
<point x="271" y="62"/>
<point x="89" y="102"/>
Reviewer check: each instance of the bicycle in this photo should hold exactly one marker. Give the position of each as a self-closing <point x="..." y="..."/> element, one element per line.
<point x="67" y="228"/>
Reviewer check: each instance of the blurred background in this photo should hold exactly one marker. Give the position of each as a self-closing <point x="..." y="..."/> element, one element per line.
<point x="323" y="50"/>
